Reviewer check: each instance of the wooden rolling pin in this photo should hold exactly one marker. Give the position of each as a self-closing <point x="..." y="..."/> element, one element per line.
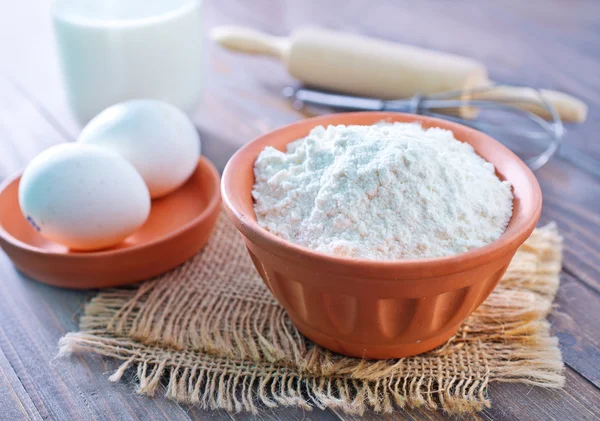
<point x="364" y="66"/>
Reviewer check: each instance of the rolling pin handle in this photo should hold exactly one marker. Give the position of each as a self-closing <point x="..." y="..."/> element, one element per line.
<point x="250" y="41"/>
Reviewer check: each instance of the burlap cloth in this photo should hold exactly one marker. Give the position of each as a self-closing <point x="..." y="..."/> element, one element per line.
<point x="215" y="336"/>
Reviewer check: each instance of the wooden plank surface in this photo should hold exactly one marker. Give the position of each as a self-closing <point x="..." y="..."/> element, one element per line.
<point x="578" y="402"/>
<point x="575" y="323"/>
<point x="571" y="199"/>
<point x="35" y="316"/>
<point x="14" y="400"/>
<point x="548" y="44"/>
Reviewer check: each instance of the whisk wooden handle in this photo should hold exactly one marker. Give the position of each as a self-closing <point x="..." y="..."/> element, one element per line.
<point x="569" y="108"/>
<point x="358" y="65"/>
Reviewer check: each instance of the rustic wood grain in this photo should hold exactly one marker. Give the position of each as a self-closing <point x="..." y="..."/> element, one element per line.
<point x="547" y="44"/>
<point x="579" y="401"/>
<point x="35" y="316"/>
<point x="575" y="323"/>
<point x="520" y="42"/>
<point x="14" y="400"/>
<point x="287" y="414"/>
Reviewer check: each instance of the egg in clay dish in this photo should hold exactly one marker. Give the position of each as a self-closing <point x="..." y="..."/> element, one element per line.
<point x="158" y="139"/>
<point x="83" y="196"/>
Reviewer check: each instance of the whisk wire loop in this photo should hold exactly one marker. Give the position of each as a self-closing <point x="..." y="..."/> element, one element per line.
<point x="548" y="134"/>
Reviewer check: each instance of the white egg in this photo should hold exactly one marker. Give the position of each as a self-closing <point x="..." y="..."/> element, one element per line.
<point x="158" y="139"/>
<point x="83" y="196"/>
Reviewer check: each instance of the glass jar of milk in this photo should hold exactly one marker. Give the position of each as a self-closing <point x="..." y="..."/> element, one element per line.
<point x="114" y="50"/>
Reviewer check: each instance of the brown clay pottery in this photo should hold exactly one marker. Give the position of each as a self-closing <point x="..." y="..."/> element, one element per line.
<point x="379" y="309"/>
<point x="178" y="226"/>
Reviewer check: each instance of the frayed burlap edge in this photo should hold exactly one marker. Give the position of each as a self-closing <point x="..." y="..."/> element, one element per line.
<point x="221" y="341"/>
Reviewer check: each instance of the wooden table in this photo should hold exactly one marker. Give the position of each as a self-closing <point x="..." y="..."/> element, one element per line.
<point x="553" y="44"/>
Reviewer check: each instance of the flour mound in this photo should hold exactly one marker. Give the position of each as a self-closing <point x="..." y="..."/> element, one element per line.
<point x="382" y="192"/>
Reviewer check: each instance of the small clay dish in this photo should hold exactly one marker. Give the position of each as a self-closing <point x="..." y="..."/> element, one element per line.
<point x="178" y="226"/>
<point x="379" y="309"/>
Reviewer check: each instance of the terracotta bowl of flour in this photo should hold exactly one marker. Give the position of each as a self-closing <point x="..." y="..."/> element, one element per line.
<point x="379" y="309"/>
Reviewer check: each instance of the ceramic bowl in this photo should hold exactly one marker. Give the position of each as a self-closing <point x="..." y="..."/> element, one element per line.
<point x="179" y="225"/>
<point x="379" y="309"/>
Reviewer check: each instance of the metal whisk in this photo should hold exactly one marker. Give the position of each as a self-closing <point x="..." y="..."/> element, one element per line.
<point x="534" y="139"/>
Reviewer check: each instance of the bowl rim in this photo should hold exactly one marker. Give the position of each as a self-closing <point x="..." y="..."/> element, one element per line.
<point x="431" y="267"/>
<point x="214" y="201"/>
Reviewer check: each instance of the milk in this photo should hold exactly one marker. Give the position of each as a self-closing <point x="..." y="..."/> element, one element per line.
<point x="114" y="50"/>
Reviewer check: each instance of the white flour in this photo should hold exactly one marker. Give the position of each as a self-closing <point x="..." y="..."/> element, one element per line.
<point x="387" y="191"/>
